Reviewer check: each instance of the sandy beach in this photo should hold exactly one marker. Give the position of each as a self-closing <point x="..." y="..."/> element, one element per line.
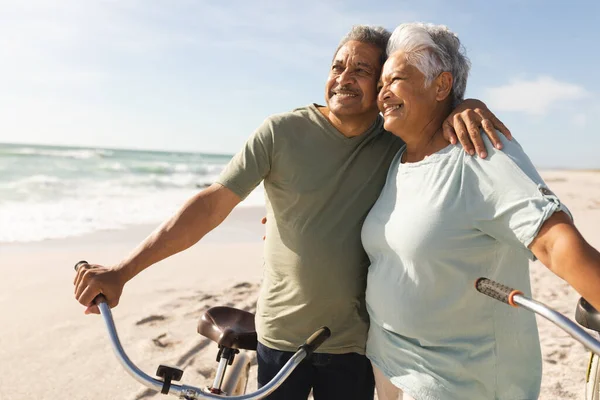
<point x="50" y="350"/>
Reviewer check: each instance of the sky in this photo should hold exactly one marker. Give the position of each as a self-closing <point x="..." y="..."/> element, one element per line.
<point x="202" y="75"/>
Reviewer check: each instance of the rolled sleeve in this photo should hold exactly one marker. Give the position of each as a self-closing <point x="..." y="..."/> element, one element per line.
<point x="508" y="199"/>
<point x="553" y="204"/>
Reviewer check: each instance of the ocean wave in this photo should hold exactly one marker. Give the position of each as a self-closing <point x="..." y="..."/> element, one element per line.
<point x="51" y="191"/>
<point x="161" y="167"/>
<point x="79" y="154"/>
<point x="87" y="212"/>
<point x="84" y="214"/>
<point x="151" y="182"/>
<point x="113" y="166"/>
<point x="166" y="168"/>
<point x="51" y="187"/>
<point x="36" y="181"/>
<point x="157" y="167"/>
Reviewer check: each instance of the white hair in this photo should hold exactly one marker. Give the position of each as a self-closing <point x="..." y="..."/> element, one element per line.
<point x="433" y="49"/>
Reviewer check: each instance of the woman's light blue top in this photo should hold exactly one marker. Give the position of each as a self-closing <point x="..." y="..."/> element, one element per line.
<point x="438" y="225"/>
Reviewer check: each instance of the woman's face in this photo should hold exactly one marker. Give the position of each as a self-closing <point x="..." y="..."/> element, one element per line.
<point x="403" y="100"/>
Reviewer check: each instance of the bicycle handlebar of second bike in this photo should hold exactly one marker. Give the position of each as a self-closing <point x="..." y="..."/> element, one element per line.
<point x="516" y="298"/>
<point x="191" y="392"/>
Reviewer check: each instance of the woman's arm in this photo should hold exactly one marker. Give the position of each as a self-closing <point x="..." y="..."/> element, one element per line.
<point x="509" y="201"/>
<point x="561" y="248"/>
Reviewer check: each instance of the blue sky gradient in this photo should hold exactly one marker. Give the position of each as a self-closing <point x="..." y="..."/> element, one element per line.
<point x="201" y="75"/>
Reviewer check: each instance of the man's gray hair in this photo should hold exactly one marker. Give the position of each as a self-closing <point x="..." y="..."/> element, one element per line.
<point x="433" y="49"/>
<point x="374" y="35"/>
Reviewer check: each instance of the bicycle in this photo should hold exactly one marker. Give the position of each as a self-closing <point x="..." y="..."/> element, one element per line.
<point x="585" y="314"/>
<point x="234" y="332"/>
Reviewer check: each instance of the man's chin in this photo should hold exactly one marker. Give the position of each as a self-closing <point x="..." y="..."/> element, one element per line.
<point x="344" y="109"/>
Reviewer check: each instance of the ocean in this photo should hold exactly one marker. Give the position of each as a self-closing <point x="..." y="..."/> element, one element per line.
<point x="49" y="192"/>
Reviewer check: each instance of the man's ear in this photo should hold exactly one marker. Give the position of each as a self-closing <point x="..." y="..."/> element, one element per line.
<point x="443" y="84"/>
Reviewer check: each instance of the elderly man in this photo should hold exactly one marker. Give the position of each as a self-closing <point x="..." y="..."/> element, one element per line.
<point x="323" y="168"/>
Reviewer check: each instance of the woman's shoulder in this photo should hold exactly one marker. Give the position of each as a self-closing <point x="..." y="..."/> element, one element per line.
<point x="510" y="159"/>
<point x="511" y="154"/>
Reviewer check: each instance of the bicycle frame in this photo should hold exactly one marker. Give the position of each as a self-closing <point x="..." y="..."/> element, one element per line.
<point x="194" y="393"/>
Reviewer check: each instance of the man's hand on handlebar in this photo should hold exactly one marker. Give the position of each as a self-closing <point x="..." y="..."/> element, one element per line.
<point x="92" y="280"/>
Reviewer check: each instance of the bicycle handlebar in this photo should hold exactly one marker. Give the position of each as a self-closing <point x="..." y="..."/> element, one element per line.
<point x="315" y="340"/>
<point x="191" y="392"/>
<point x="516" y="298"/>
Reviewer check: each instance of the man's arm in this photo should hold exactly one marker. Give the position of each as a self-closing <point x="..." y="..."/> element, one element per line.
<point x="201" y="214"/>
<point x="466" y="122"/>
<point x="560" y="247"/>
<point x="198" y="216"/>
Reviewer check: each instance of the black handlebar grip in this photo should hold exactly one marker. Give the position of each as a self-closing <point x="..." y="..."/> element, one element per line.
<point x="80" y="264"/>
<point x="496" y="290"/>
<point x="315" y="340"/>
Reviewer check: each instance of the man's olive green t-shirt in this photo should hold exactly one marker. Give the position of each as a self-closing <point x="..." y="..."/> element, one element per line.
<point x="319" y="187"/>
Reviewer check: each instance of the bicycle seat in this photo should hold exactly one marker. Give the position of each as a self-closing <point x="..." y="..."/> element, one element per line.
<point x="229" y="327"/>
<point x="587" y="316"/>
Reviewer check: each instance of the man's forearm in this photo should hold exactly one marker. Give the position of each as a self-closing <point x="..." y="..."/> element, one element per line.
<point x="201" y="214"/>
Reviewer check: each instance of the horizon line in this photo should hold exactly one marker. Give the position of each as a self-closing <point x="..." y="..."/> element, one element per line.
<point x="76" y="146"/>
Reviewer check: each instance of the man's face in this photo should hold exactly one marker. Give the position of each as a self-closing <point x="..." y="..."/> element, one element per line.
<point x="351" y="88"/>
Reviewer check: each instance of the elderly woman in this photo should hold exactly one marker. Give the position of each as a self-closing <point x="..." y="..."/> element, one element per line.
<point x="443" y="220"/>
